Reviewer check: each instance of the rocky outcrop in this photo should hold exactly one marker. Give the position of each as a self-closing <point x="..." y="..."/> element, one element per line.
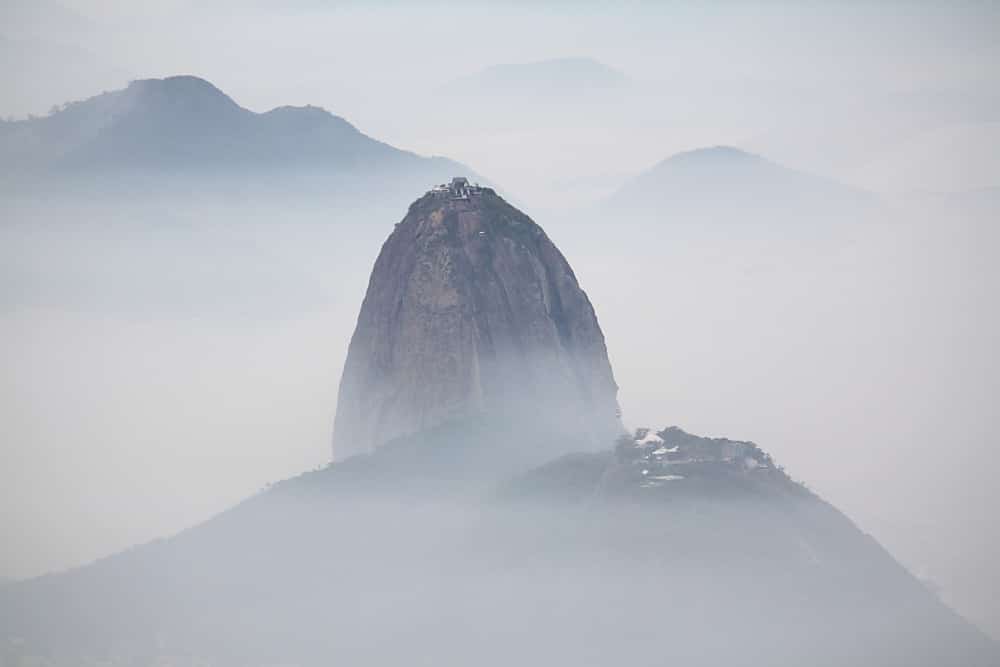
<point x="472" y="311"/>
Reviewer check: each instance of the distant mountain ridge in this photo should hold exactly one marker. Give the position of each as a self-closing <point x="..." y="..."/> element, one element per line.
<point x="185" y="124"/>
<point x="727" y="180"/>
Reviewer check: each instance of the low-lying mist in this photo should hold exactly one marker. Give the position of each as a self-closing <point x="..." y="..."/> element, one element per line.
<point x="376" y="561"/>
<point x="168" y="356"/>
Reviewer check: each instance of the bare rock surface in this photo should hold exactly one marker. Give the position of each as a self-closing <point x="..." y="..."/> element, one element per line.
<point x="472" y="311"/>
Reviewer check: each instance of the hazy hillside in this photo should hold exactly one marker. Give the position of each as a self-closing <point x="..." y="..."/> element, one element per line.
<point x="184" y="126"/>
<point x="585" y="560"/>
<point x="725" y="185"/>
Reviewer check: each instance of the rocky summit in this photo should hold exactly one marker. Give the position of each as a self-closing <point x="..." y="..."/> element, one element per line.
<point x="472" y="311"/>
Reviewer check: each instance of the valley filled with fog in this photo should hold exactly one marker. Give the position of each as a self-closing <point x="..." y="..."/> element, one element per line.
<point x="169" y="359"/>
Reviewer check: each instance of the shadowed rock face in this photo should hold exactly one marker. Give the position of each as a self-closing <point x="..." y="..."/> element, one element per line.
<point x="472" y="311"/>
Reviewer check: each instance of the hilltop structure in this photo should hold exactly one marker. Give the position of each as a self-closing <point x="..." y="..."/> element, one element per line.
<point x="671" y="455"/>
<point x="459" y="188"/>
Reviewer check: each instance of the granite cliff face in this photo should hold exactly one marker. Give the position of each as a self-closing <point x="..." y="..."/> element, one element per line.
<point x="472" y="311"/>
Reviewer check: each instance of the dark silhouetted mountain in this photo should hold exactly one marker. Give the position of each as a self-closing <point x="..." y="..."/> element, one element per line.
<point x="185" y="125"/>
<point x="471" y="310"/>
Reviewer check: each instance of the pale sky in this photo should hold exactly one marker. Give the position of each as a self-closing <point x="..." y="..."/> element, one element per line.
<point x="890" y="96"/>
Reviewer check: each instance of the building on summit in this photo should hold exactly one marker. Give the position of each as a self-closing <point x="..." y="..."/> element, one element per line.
<point x="459" y="188"/>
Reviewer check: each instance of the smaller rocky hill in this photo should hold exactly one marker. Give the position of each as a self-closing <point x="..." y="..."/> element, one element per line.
<point x="580" y="561"/>
<point x="670" y="464"/>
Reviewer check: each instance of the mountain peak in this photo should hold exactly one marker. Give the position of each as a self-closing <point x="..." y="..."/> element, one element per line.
<point x="714" y="156"/>
<point x="472" y="311"/>
<point x="178" y="82"/>
<point x="180" y="92"/>
<point x="185" y="124"/>
<point x="307" y="111"/>
<point x="718" y="184"/>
